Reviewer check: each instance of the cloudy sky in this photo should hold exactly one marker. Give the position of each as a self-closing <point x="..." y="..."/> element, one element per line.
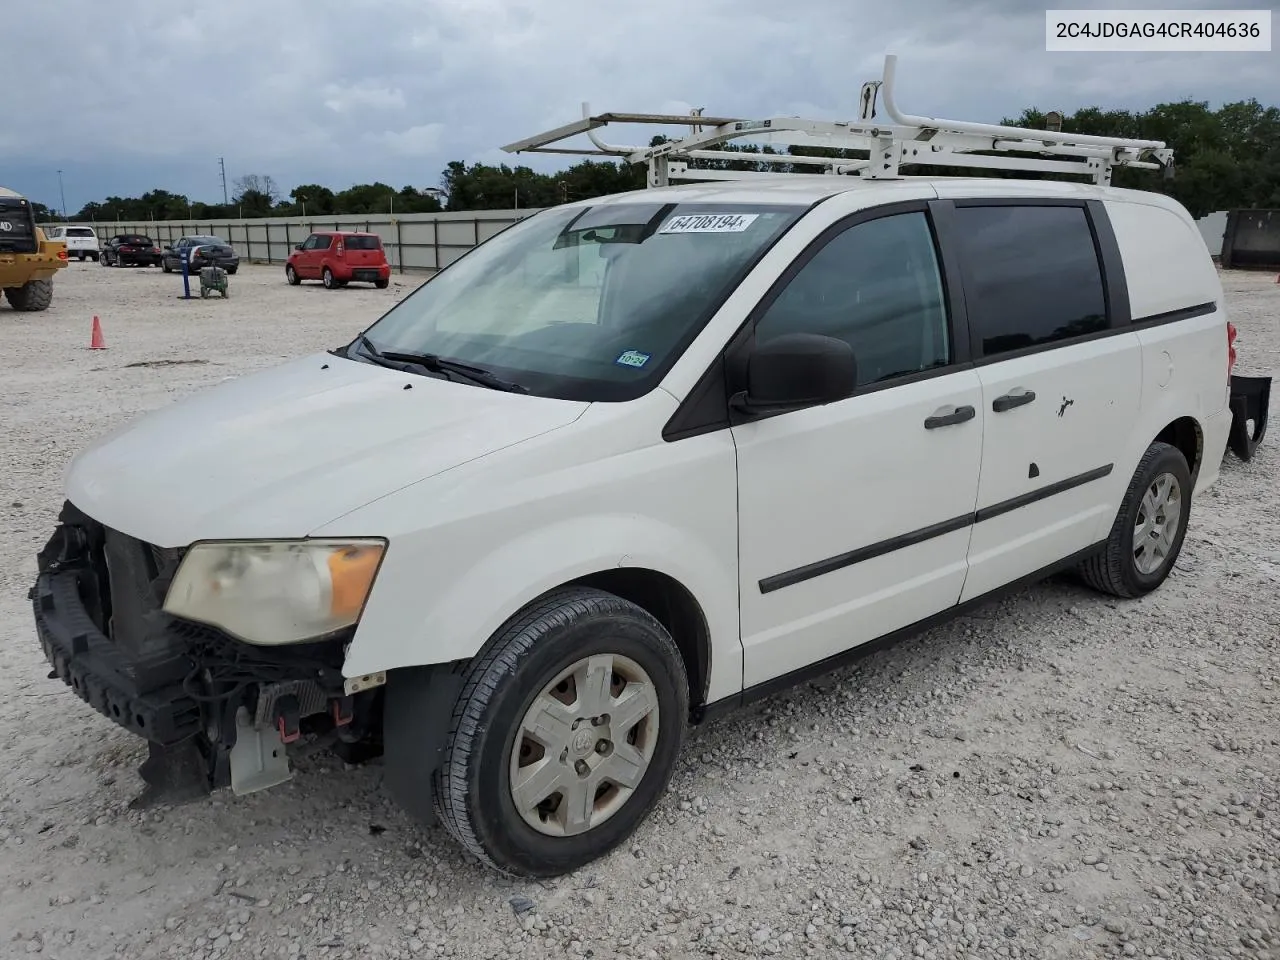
<point x="131" y="95"/>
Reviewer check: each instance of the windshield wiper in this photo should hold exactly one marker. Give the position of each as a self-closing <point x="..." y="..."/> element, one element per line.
<point x="438" y="364"/>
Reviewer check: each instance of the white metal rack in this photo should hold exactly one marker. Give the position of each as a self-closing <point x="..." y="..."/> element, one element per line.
<point x="906" y="141"/>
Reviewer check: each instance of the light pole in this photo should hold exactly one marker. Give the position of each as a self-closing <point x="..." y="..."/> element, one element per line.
<point x="63" y="195"/>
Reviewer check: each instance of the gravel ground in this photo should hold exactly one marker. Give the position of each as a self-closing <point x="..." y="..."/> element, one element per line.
<point x="1059" y="775"/>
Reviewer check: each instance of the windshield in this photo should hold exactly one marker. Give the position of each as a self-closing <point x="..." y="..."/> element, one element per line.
<point x="586" y="303"/>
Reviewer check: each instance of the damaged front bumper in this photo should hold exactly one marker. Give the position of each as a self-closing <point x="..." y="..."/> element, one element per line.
<point x="1250" y="399"/>
<point x="216" y="712"/>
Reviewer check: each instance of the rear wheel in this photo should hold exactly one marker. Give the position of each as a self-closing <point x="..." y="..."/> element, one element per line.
<point x="292" y="275"/>
<point x="381" y="284"/>
<point x="31" y="296"/>
<point x="565" y="734"/>
<point x="232" y="270"/>
<point x="328" y="279"/>
<point x="1149" y="528"/>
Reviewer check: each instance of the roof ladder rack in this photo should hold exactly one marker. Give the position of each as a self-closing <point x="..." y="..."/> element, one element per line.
<point x="906" y="141"/>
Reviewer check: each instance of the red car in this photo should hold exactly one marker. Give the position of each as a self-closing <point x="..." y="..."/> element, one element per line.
<point x="337" y="257"/>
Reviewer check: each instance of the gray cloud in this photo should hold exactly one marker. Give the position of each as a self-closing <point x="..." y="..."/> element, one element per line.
<point x="343" y="91"/>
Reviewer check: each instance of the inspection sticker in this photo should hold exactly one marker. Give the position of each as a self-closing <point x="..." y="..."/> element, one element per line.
<point x="632" y="358"/>
<point x="709" y="223"/>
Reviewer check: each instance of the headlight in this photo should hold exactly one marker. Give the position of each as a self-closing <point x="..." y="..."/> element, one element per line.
<point x="277" y="592"/>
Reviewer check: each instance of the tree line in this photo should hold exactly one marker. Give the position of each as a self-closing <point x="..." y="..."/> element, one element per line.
<point x="1225" y="158"/>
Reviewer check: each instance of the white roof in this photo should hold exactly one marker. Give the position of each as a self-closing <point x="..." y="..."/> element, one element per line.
<point x="6" y="192"/>
<point x="810" y="188"/>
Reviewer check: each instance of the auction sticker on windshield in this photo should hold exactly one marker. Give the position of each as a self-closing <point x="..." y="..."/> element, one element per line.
<point x="709" y="223"/>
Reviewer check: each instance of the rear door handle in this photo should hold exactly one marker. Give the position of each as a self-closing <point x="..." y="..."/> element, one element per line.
<point x="1014" y="398"/>
<point x="944" y="417"/>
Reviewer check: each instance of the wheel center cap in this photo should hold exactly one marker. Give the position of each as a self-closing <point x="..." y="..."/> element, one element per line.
<point x="584" y="741"/>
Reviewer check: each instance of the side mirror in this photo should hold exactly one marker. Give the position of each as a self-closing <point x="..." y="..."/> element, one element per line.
<point x="168" y="247"/>
<point x="297" y="246"/>
<point x="797" y="370"/>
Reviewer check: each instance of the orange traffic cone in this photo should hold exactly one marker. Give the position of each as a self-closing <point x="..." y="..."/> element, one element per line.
<point x="96" y="342"/>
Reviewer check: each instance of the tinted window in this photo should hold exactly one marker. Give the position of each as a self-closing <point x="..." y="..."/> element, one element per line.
<point x="79" y="232"/>
<point x="362" y="243"/>
<point x="1032" y="275"/>
<point x="876" y="286"/>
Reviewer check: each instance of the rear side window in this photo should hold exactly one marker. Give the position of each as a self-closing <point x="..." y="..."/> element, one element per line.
<point x="1032" y="275"/>
<point x="363" y="243"/>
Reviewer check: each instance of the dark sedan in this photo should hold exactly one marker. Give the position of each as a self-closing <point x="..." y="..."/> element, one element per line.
<point x="125" y="249"/>
<point x="204" y="251"/>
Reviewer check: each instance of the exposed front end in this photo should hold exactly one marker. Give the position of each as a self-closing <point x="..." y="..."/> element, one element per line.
<point x="216" y="710"/>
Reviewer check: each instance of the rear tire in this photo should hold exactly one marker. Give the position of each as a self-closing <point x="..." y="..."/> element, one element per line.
<point x="583" y="696"/>
<point x="31" y="296"/>
<point x="1146" y="537"/>
<point x="327" y="277"/>
<point x="381" y="284"/>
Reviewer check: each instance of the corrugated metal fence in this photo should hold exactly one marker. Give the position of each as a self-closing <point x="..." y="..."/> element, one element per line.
<point x="413" y="241"/>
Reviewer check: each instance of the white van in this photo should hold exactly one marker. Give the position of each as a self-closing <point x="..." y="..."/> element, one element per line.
<point x="630" y="463"/>
<point x="81" y="242"/>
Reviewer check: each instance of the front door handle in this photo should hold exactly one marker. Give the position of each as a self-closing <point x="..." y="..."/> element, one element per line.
<point x="1014" y="398"/>
<point x="944" y="417"/>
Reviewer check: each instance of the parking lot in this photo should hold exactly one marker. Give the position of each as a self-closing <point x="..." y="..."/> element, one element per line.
<point x="1056" y="775"/>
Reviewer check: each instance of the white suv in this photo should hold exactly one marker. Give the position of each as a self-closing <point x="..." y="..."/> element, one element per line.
<point x="81" y="242"/>
<point x="633" y="462"/>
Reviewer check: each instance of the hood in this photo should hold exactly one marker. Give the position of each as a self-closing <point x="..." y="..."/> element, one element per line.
<point x="281" y="452"/>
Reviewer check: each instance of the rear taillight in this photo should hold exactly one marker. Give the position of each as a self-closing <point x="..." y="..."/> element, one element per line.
<point x="338" y="249"/>
<point x="1231" y="348"/>
<point x="62" y="254"/>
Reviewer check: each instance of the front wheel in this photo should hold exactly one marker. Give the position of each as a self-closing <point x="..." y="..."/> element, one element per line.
<point x="291" y="275"/>
<point x="1149" y="528"/>
<point x="565" y="734"/>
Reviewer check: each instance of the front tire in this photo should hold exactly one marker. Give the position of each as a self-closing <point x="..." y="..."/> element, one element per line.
<point x="565" y="734"/>
<point x="31" y="296"/>
<point x="1149" y="528"/>
<point x="291" y="275"/>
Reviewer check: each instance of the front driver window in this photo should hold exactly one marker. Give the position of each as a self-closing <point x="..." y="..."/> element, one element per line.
<point x="876" y="286"/>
